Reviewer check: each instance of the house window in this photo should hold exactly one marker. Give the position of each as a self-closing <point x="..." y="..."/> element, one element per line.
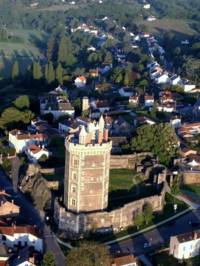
<point x="3" y="238"/>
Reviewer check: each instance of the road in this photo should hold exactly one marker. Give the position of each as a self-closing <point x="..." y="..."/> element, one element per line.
<point x="30" y="215"/>
<point x="159" y="236"/>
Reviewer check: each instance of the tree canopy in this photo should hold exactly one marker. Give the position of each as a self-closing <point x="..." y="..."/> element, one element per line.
<point x="22" y="102"/>
<point x="48" y="259"/>
<point x="89" y="254"/>
<point x="159" y="139"/>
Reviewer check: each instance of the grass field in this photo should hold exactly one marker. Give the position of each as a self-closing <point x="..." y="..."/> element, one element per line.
<point x="121" y="179"/>
<point x="31" y="46"/>
<point x="193" y="188"/>
<point x="183" y="27"/>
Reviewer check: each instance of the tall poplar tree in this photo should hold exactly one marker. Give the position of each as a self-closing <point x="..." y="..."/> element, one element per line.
<point x="59" y="73"/>
<point x="65" y="52"/>
<point x="37" y="71"/>
<point x="15" y="70"/>
<point x="51" y="73"/>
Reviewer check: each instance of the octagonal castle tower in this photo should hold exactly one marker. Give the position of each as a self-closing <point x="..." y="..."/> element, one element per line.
<point x="87" y="168"/>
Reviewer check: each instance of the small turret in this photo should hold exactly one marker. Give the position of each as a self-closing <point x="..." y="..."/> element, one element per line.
<point x="101" y="123"/>
<point x="83" y="136"/>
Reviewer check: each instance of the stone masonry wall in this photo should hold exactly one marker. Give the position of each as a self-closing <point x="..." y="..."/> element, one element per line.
<point x="116" y="219"/>
<point x="126" y="161"/>
<point x="191" y="177"/>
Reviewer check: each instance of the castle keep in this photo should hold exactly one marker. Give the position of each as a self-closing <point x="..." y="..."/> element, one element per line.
<point x="86" y="185"/>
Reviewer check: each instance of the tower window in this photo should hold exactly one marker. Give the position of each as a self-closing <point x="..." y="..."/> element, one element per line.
<point x="74" y="176"/>
<point x="73" y="202"/>
<point x="73" y="189"/>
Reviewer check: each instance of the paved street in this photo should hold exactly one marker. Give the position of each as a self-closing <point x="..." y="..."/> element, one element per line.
<point x="31" y="215"/>
<point x="158" y="236"/>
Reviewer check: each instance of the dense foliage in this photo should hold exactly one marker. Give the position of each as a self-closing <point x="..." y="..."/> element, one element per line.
<point x="89" y="254"/>
<point x="159" y="139"/>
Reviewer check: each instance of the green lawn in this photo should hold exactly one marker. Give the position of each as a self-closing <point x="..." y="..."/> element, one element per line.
<point x="29" y="46"/>
<point x="180" y="26"/>
<point x="193" y="188"/>
<point x="121" y="179"/>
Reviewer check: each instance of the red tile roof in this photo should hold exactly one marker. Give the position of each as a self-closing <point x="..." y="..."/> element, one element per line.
<point x="11" y="230"/>
<point x="124" y="260"/>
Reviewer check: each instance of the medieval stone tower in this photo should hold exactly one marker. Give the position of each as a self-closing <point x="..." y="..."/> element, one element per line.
<point x="87" y="168"/>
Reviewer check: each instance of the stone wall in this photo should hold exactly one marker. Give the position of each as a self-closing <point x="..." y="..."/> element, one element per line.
<point x="126" y="161"/>
<point x="116" y="219"/>
<point x="191" y="177"/>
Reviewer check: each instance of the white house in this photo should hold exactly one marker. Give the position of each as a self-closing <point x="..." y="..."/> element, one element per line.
<point x="162" y="78"/>
<point x="20" y="140"/>
<point x="175" y="122"/>
<point x="175" y="80"/>
<point x="168" y="108"/>
<point x="185" y="246"/>
<point x="27" y="235"/>
<point x="35" y="152"/>
<point x="126" y="92"/>
<point x="148" y="101"/>
<point x="147" y="6"/>
<point x="188" y="87"/>
<point x="151" y="18"/>
<point x="80" y="82"/>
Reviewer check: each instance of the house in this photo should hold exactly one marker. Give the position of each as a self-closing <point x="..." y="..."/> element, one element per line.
<point x="8" y="208"/>
<point x="151" y="18"/>
<point x="147" y="6"/>
<point x="175" y="122"/>
<point x="101" y="105"/>
<point x="162" y="78"/>
<point x="23" y="236"/>
<point x="25" y="257"/>
<point x="35" y="152"/>
<point x="121" y="127"/>
<point x="80" y="82"/>
<point x="94" y="73"/>
<point x="105" y="69"/>
<point x="148" y="101"/>
<point x="167" y="108"/>
<point x="189" y="130"/>
<point x="117" y="142"/>
<point x="3" y="256"/>
<point x="193" y="160"/>
<point x="56" y="103"/>
<point x="91" y="49"/>
<point x="21" y="140"/>
<point x="126" y="92"/>
<point x="125" y="260"/>
<point x="134" y="100"/>
<point x="185" y="152"/>
<point x="185" y="246"/>
<point x="71" y="125"/>
<point x="175" y="80"/>
<point x="145" y="120"/>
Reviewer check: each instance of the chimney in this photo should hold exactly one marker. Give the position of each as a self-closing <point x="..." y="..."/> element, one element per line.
<point x="100" y="137"/>
<point x="106" y="134"/>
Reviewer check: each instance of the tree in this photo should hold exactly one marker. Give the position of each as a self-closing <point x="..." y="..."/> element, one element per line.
<point x="48" y="259"/>
<point x="37" y="71"/>
<point x="11" y="117"/>
<point x="148" y="213"/>
<point x="89" y="254"/>
<point x="22" y="102"/>
<point x="159" y="139"/>
<point x="50" y="47"/>
<point x="108" y="59"/>
<point x="65" y="52"/>
<point x="50" y="73"/>
<point x="15" y="70"/>
<point x="139" y="220"/>
<point x="175" y="189"/>
<point x="128" y="76"/>
<point x="59" y="74"/>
